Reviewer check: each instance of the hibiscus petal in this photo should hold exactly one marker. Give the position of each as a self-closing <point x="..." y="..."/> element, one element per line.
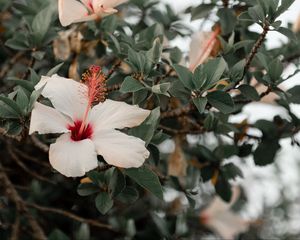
<point x="70" y="11"/>
<point x="119" y="149"/>
<point x="66" y="95"/>
<point x="45" y="119"/>
<point x="114" y="114"/>
<point x="72" y="158"/>
<point x="198" y="53"/>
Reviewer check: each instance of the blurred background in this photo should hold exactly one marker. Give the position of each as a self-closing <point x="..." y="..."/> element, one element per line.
<point x="272" y="192"/>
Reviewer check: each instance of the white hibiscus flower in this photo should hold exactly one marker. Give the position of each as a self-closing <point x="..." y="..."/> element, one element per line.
<point x="87" y="131"/>
<point x="72" y="11"/>
<point x="219" y="217"/>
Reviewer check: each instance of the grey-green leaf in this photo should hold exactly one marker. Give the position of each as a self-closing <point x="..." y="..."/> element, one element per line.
<point x="146" y="179"/>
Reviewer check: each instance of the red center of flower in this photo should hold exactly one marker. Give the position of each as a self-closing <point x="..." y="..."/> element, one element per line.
<point x="76" y="135"/>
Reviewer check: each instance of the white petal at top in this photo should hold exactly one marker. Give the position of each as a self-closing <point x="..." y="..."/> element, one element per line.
<point x="45" y="119"/>
<point x="119" y="149"/>
<point x="72" y="158"/>
<point x="113" y="114"/>
<point x="66" y="95"/>
<point x="70" y="11"/>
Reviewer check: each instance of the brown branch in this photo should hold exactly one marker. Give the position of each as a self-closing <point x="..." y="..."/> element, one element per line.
<point x="5" y="69"/>
<point x="113" y="69"/>
<point x="25" y="168"/>
<point x="251" y="56"/>
<point x="178" y="132"/>
<point x="178" y="111"/>
<point x="39" y="144"/>
<point x="13" y="195"/>
<point x="3" y="132"/>
<point x="225" y="3"/>
<point x="31" y="158"/>
<point x="263" y="94"/>
<point x="16" y="228"/>
<point x="70" y="215"/>
<point x="104" y="168"/>
<point x="256" y="46"/>
<point x="113" y="88"/>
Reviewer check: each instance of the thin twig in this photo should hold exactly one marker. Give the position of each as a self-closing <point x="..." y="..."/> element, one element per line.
<point x="31" y="158"/>
<point x="104" y="168"/>
<point x="44" y="147"/>
<point x="113" y="88"/>
<point x="11" y="62"/>
<point x="70" y="215"/>
<point x="15" y="228"/>
<point x="178" y="111"/>
<point x="25" y="168"/>
<point x="13" y="195"/>
<point x="113" y="69"/>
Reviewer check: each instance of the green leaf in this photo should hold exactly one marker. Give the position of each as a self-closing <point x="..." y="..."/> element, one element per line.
<point x="214" y="69"/>
<point x="221" y="100"/>
<point x="223" y="188"/>
<point x="12" y="104"/>
<point x="103" y="202"/>
<point x="256" y="13"/>
<point x="199" y="77"/>
<point x="7" y="112"/>
<point x="237" y="71"/>
<point x="154" y="53"/>
<point x="285" y="4"/>
<point x="41" y="23"/>
<point x="200" y="103"/>
<point x="83" y="232"/>
<point x="128" y="196"/>
<point x="33" y="98"/>
<point x="86" y="189"/>
<point x="265" y="153"/>
<point x="23" y="83"/>
<point x="161" y="89"/>
<point x="202" y="11"/>
<point x="231" y="171"/>
<point x="287" y="32"/>
<point x="146" y="179"/>
<point x="294" y="96"/>
<point x="227" y="19"/>
<point x="98" y="178"/>
<point x="18" y="42"/>
<point x="54" y="70"/>
<point x="117" y="182"/>
<point x="146" y="130"/>
<point x="131" y="85"/>
<point x="276" y="68"/>
<point x="57" y="234"/>
<point x="249" y="92"/>
<point x="22" y="100"/>
<point x="185" y="76"/>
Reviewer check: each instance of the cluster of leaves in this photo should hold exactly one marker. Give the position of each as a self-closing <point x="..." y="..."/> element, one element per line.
<point x="154" y="77"/>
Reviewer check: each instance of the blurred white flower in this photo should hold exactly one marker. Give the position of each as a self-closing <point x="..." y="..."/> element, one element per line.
<point x="219" y="217"/>
<point x="202" y="44"/>
<point x="87" y="131"/>
<point x="72" y="11"/>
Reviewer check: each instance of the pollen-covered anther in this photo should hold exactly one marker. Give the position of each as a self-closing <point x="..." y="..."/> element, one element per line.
<point x="95" y="80"/>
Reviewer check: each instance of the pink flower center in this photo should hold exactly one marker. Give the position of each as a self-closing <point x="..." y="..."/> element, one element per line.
<point x="77" y="135"/>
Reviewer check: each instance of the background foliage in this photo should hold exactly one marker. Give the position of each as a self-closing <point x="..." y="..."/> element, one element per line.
<point x="142" y="69"/>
